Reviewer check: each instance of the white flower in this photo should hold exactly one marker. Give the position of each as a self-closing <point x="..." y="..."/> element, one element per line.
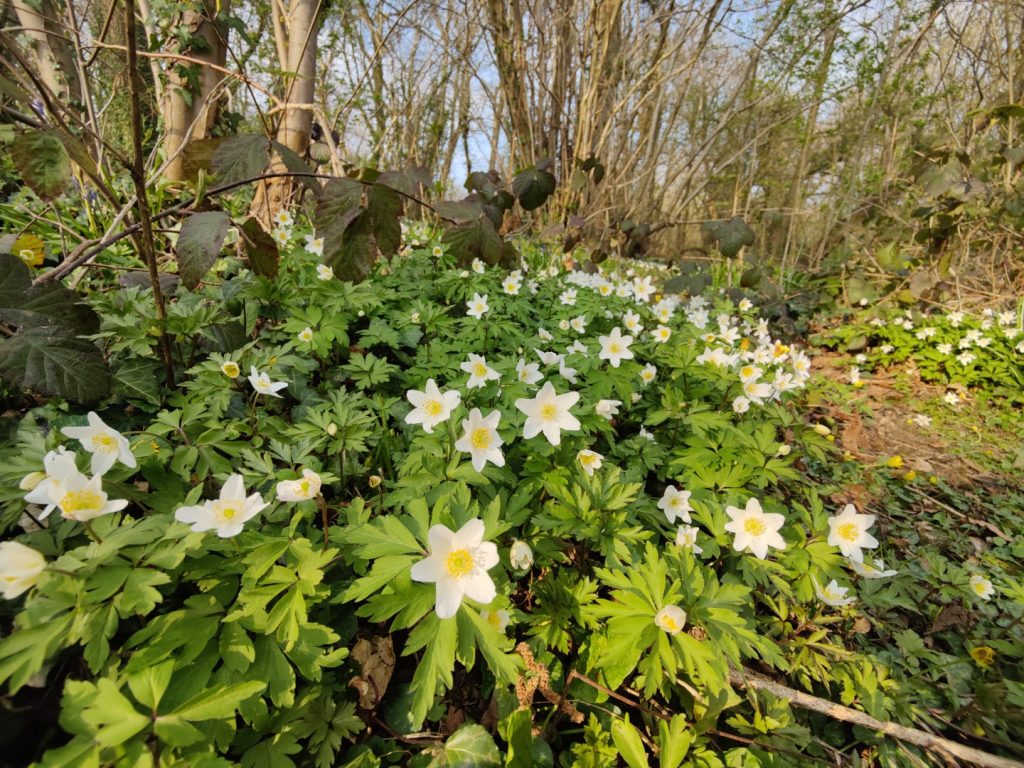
<point x="59" y="464"/>
<point x="563" y="325"/>
<point x="528" y="373"/>
<point x="82" y="498"/>
<point x="671" y="618"/>
<point x="579" y="323"/>
<point x="965" y="358"/>
<point x="607" y="408"/>
<point x="283" y="219"/>
<point x="746" y="305"/>
<point x="437" y="251"/>
<point x="662" y="334"/>
<point x="458" y="563"/>
<point x="952" y="398"/>
<point x="228" y="514"/>
<point x="832" y="594"/>
<point x="871" y="571"/>
<point x="632" y="322"/>
<point x="686" y="537"/>
<point x="520" y="556"/>
<point x="982" y="587"/>
<point x="675" y="504"/>
<point x="281" y="236"/>
<point x="477" y="306"/>
<point x="740" y="404"/>
<point x="20" y="567"/>
<point x="431" y="406"/>
<point x="757" y="391"/>
<point x="567" y="373"/>
<point x="750" y="373"/>
<point x="642" y="288"/>
<point x="615" y="347"/>
<point x="887" y="349"/>
<point x="568" y="297"/>
<point x="754" y="529"/>
<point x="647" y="374"/>
<point x="511" y="286"/>
<point x="548" y="412"/>
<point x="261" y="383"/>
<point x="548" y="358"/>
<point x="308" y="487"/>
<point x="478" y="266"/>
<point x="306" y="335"/>
<point x="323" y="272"/>
<point x="945" y="349"/>
<point x="314" y="245"/>
<point x="231" y="369"/>
<point x="955" y="318"/>
<point x="578" y="348"/>
<point x="544" y="335"/>
<point x="649" y="436"/>
<point x="105" y="444"/>
<point x="498" y="619"/>
<point x="480" y="439"/>
<point x="589" y="460"/>
<point x="479" y="372"/>
<point x="849" y="531"/>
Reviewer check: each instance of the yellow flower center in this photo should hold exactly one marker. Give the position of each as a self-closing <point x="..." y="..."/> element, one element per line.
<point x="104" y="443"/>
<point x="980" y="587"/>
<point x="494" y="619"/>
<point x="226" y="510"/>
<point x="304" y="487"/>
<point x="586" y="459"/>
<point x="432" y="407"/>
<point x="747" y="371"/>
<point x="549" y="412"/>
<point x="849" y="532"/>
<point x="755" y="526"/>
<point x="615" y="348"/>
<point x="479" y="370"/>
<point x="80" y="501"/>
<point x="479" y="307"/>
<point x="745" y="345"/>
<point x="480" y="438"/>
<point x="458" y="563"/>
<point x="669" y="624"/>
<point x="231" y="369"/>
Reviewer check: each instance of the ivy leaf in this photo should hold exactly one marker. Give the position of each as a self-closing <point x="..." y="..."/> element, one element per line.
<point x="533" y="186"/>
<point x="260" y="249"/>
<point x="43" y="162"/>
<point x="199" y="243"/>
<point x="51" y="362"/>
<point x="469" y="747"/>
<point x="239" y="158"/>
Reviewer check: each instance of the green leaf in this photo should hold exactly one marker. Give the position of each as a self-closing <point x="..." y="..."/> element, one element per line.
<point x="731" y="235"/>
<point x="50" y="362"/>
<point x="43" y="162"/>
<point x="359" y="224"/>
<point x="628" y="742"/>
<point x="478" y="239"/>
<point x="25" y="305"/>
<point x="240" y="157"/>
<point x="272" y="753"/>
<point x="199" y="243"/>
<point x="674" y="741"/>
<point x="296" y="164"/>
<point x="469" y="747"/>
<point x="218" y="703"/>
<point x="533" y="186"/>
<point x="260" y="249"/>
<point x="524" y="749"/>
<point x="115" y="718"/>
<point x="236" y="647"/>
<point x="149" y="685"/>
<point x="437" y="663"/>
<point x="138" y="379"/>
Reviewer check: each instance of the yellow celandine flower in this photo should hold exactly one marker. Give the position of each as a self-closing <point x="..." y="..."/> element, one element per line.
<point x="983" y="655"/>
<point x="895" y="462"/>
<point x="457" y="563"/>
<point x="910" y="476"/>
<point x="671" y="619"/>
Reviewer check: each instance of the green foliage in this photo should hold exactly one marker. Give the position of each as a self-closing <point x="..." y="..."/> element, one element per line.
<point x="199" y="244"/>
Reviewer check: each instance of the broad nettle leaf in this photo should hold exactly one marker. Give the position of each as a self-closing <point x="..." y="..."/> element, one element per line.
<point x="240" y="157"/>
<point x="199" y="243"/>
<point x="479" y="239"/>
<point x="50" y="361"/>
<point x="49" y="304"/>
<point x="460" y="211"/>
<point x="43" y="162"/>
<point x="260" y="248"/>
<point x="533" y="186"/>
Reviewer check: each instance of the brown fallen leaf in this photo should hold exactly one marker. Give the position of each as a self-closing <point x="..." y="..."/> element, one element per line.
<point x="376" y="657"/>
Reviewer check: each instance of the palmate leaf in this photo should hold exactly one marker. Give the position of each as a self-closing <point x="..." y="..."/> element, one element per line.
<point x="43" y="162"/>
<point x="199" y="243"/>
<point x="49" y="361"/>
<point x="434" y="672"/>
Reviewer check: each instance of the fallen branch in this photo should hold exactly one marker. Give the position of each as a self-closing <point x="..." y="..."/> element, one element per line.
<point x="923" y="739"/>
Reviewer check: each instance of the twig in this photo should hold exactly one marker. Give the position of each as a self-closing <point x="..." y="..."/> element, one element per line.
<point x="940" y="746"/>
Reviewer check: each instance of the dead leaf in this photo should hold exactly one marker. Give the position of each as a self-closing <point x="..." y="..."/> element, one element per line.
<point x="376" y="657"/>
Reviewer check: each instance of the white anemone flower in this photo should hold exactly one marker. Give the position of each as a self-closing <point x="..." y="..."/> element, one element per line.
<point x="480" y="439"/>
<point x="520" y="556"/>
<point x="548" y="358"/>
<point x="615" y="347"/>
<point x="498" y="619"/>
<point x="632" y="322"/>
<point x="20" y="567"/>
<point x="226" y="515"/>
<point x="832" y="594"/>
<point x="548" y="412"/>
<point x="458" y="562"/>
<point x="686" y="537"/>
<point x="849" y="531"/>
<point x="263" y="385"/>
<point x="741" y="404"/>
<point x="477" y="306"/>
<point x="305" y="488"/>
<point x="579" y="323"/>
<point x="874" y="570"/>
<point x="648" y="374"/>
<point x="528" y="373"/>
<point x="105" y="444"/>
<point x="431" y="406"/>
<point x="675" y="504"/>
<point x="982" y="587"/>
<point x="324" y="272"/>
<point x="671" y="618"/>
<point x="662" y="334"/>
<point x="82" y="498"/>
<point x="754" y="529"/>
<point x="589" y="460"/>
<point x="479" y="372"/>
<point x="58" y="464"/>
<point x="314" y="245"/>
<point x="478" y="266"/>
<point x="607" y="408"/>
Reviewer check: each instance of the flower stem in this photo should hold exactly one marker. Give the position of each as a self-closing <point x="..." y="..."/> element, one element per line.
<point x="92" y="534"/>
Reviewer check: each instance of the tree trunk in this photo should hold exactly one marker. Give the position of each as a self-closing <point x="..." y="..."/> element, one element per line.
<point x="50" y="50"/>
